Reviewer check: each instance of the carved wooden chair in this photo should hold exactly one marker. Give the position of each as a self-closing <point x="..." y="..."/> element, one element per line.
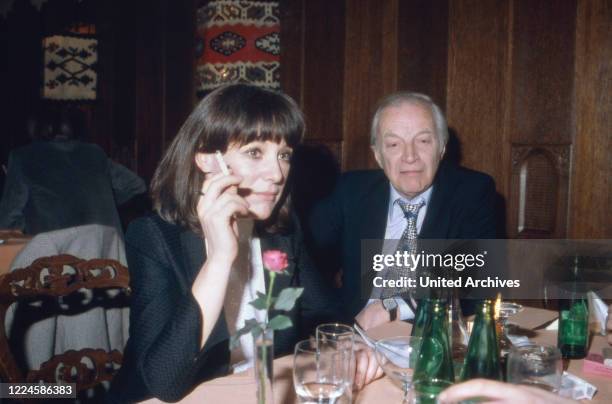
<point x="51" y="278"/>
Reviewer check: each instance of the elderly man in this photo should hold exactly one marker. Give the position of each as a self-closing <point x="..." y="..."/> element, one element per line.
<point x="415" y="195"/>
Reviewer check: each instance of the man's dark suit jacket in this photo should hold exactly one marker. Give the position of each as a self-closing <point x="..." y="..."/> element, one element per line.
<point x="462" y="206"/>
<point x="163" y="358"/>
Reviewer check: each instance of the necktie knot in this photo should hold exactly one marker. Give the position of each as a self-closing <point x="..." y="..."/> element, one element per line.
<point x="411" y="211"/>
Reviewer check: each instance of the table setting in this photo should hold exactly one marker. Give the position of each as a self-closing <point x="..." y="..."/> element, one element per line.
<point x="321" y="367"/>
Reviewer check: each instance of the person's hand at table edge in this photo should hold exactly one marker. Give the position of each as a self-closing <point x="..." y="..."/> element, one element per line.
<point x="489" y="391"/>
<point x="372" y="315"/>
<point x="609" y="325"/>
<point x="366" y="366"/>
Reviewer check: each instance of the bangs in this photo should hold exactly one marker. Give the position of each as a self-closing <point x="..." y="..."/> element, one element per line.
<point x="251" y="114"/>
<point x="269" y="128"/>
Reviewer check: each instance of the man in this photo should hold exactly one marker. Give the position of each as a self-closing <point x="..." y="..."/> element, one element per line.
<point x="59" y="181"/>
<point x="414" y="194"/>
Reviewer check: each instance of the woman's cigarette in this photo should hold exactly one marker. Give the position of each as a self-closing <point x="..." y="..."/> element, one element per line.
<point x="221" y="163"/>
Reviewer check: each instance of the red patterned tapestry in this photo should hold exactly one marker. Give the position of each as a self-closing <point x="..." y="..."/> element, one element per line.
<point x="238" y="41"/>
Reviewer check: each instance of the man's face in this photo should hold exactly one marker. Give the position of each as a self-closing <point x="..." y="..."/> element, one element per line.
<point x="407" y="147"/>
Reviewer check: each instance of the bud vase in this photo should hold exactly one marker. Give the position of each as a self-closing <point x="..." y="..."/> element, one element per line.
<point x="264" y="375"/>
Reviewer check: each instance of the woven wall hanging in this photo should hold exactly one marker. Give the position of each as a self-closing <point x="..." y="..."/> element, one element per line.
<point x="70" y="68"/>
<point x="238" y="42"/>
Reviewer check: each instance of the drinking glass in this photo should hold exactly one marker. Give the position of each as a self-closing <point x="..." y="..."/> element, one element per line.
<point x="340" y="337"/>
<point x="426" y="391"/>
<point x="506" y="310"/>
<point x="397" y="356"/>
<point x="535" y="365"/>
<point x="319" y="375"/>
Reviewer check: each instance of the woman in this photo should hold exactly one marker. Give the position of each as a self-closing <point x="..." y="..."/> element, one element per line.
<point x="196" y="264"/>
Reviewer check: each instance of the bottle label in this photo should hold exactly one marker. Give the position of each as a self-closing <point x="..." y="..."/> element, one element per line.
<point x="574" y="326"/>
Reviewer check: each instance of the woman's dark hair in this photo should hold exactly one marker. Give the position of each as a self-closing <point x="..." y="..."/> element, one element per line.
<point x="233" y="114"/>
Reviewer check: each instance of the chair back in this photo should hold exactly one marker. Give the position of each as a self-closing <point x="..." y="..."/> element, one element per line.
<point x="52" y="278"/>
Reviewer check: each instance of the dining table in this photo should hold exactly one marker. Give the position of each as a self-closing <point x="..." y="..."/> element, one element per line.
<point x="241" y="388"/>
<point x="11" y="243"/>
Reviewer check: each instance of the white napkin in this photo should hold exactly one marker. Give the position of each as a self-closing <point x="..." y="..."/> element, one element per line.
<point x="576" y="388"/>
<point x="598" y="311"/>
<point x="553" y="326"/>
<point x="519" y="340"/>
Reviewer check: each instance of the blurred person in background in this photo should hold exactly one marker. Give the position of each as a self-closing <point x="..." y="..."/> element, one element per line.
<point x="59" y="181"/>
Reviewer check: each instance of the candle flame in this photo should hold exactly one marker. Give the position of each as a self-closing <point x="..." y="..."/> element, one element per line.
<point x="497" y="306"/>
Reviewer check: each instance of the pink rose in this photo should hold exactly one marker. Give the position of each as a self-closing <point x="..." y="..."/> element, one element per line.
<point x="275" y="260"/>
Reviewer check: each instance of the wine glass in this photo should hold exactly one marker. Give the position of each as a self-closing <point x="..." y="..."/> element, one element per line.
<point x="536" y="365"/>
<point x="426" y="391"/>
<point x="506" y="310"/>
<point x="397" y="356"/>
<point x="319" y="375"/>
<point x="337" y="337"/>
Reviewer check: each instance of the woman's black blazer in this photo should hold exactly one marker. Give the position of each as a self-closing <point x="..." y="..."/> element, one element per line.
<point x="163" y="358"/>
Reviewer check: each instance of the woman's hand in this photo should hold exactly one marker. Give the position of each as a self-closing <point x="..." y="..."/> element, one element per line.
<point x="218" y="208"/>
<point x="366" y="366"/>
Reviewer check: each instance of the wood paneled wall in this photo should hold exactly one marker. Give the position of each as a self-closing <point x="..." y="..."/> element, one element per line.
<point x="476" y="83"/>
<point x="164" y="66"/>
<point x="525" y="86"/>
<point x="370" y="60"/>
<point x="541" y="117"/>
<point x="422" y="47"/>
<point x="591" y="191"/>
<point x="145" y="72"/>
<point x="323" y="79"/>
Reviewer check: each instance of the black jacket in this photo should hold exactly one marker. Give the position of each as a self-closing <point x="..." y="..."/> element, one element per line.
<point x="163" y="357"/>
<point x="462" y="206"/>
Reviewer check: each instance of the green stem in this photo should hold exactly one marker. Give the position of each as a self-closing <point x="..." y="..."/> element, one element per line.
<point x="263" y="370"/>
<point x="269" y="295"/>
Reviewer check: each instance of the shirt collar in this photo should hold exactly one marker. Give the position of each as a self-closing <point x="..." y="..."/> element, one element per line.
<point x="424" y="197"/>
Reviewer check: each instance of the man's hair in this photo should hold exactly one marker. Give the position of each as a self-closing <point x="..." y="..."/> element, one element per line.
<point x="57" y="123"/>
<point x="233" y="114"/>
<point x="405" y="97"/>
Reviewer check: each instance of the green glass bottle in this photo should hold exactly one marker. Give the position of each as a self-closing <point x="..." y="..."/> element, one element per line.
<point x="482" y="359"/>
<point x="422" y="317"/>
<point x="457" y="334"/>
<point x="573" y="335"/>
<point x="434" y="367"/>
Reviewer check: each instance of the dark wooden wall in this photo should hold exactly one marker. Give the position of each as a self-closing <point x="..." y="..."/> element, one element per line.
<point x="526" y="86"/>
<point x="145" y="72"/>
